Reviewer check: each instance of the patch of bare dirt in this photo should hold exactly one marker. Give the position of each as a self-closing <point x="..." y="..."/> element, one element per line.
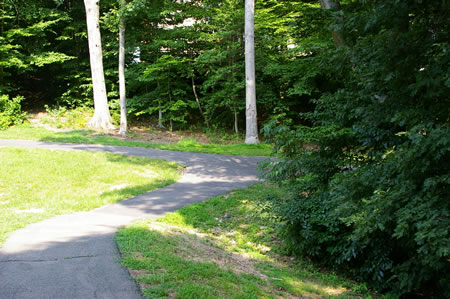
<point x="136" y="273"/>
<point x="193" y="246"/>
<point x="156" y="135"/>
<point x="35" y="121"/>
<point x="143" y="132"/>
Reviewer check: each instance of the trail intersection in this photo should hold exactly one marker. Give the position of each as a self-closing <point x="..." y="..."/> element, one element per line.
<point x="75" y="256"/>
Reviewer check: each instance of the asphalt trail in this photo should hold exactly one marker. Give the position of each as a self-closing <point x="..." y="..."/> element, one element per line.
<point x="75" y="256"/>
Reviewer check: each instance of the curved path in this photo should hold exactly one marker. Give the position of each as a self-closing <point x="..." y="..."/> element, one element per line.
<point x="75" y="256"/>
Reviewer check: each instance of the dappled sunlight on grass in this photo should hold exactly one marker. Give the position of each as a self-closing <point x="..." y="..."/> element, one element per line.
<point x="222" y="247"/>
<point x="36" y="184"/>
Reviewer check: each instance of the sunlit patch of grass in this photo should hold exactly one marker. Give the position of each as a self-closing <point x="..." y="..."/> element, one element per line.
<point x="36" y="184"/>
<point x="225" y="247"/>
<point x="92" y="137"/>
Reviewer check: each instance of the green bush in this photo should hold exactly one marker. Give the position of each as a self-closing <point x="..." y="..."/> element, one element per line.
<point x="369" y="180"/>
<point x="383" y="221"/>
<point x="11" y="111"/>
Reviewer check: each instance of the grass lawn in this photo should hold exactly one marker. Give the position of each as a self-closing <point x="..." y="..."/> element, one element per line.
<point x="92" y="137"/>
<point x="36" y="184"/>
<point x="225" y="247"/>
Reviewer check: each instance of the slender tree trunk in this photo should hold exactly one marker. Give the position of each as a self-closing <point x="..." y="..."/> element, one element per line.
<point x="160" y="113"/>
<point x="102" y="117"/>
<point x="236" y="128"/>
<point x="160" y="117"/>
<point x="329" y="4"/>
<point x="194" y="89"/>
<point x="122" y="90"/>
<point x="233" y="78"/>
<point x="338" y="37"/>
<point x="251" y="133"/>
<point x="170" y="102"/>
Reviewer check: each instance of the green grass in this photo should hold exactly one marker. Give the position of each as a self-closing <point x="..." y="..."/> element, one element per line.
<point x="92" y="137"/>
<point x="36" y="184"/>
<point x="225" y="247"/>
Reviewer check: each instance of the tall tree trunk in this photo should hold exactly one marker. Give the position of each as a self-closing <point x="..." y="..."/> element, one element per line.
<point x="233" y="78"/>
<point x="160" y="117"/>
<point x="194" y="89"/>
<point x="122" y="90"/>
<point x="251" y="133"/>
<point x="329" y="4"/>
<point x="160" y="113"/>
<point x="338" y="37"/>
<point x="170" y="102"/>
<point x="102" y="117"/>
<point x="235" y="112"/>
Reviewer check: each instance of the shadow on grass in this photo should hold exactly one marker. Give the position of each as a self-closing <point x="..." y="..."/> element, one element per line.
<point x="12" y="219"/>
<point x="88" y="137"/>
<point x="233" y="222"/>
<point x="130" y="192"/>
<point x="92" y="137"/>
<point x="169" y="262"/>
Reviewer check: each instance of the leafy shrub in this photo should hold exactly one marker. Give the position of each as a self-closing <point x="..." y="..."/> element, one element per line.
<point x="383" y="221"/>
<point x="11" y="111"/>
<point x="369" y="181"/>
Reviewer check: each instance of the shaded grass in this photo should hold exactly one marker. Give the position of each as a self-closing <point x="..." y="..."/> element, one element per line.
<point x="225" y="247"/>
<point x="92" y="137"/>
<point x="36" y="184"/>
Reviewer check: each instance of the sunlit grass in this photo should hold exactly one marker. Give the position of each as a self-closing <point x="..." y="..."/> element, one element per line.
<point x="91" y="137"/>
<point x="36" y="184"/>
<point x="226" y="247"/>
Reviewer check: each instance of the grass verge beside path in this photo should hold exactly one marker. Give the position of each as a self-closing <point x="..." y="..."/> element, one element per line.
<point x="225" y="247"/>
<point x="92" y="137"/>
<point x="36" y="184"/>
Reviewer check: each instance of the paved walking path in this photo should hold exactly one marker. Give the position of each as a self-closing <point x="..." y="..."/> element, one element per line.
<point x="75" y="256"/>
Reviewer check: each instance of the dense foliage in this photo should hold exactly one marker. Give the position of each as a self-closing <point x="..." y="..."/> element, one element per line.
<point x="369" y="181"/>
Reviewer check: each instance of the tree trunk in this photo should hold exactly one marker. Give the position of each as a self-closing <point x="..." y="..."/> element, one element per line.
<point x="102" y="117"/>
<point x="194" y="89"/>
<point x="251" y="133"/>
<point x="122" y="90"/>
<point x="338" y="37"/>
<point x="160" y="113"/>
<point x="170" y="101"/>
<point x="160" y="117"/>
<point x="329" y="4"/>
<point x="236" y="129"/>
